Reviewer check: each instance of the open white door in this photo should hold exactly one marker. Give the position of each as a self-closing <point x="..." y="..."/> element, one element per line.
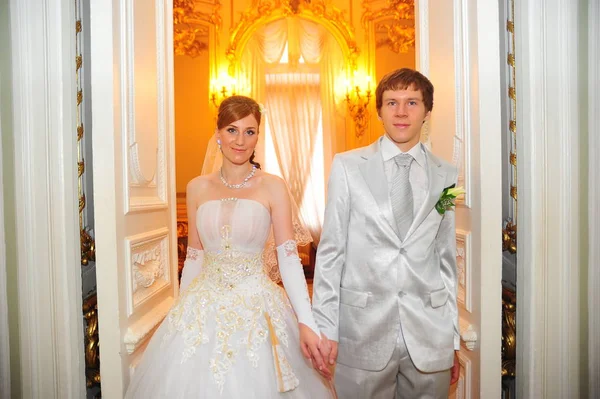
<point x="459" y="51"/>
<point x="134" y="194"/>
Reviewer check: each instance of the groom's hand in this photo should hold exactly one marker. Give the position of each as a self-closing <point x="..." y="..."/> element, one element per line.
<point x="455" y="370"/>
<point x="329" y="350"/>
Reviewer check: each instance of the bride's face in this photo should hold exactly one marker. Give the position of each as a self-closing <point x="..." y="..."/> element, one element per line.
<point x="238" y="139"/>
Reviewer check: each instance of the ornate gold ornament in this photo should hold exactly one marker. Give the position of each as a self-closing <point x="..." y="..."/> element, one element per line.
<point x="509" y="332"/>
<point x="87" y="244"/>
<point x="190" y="26"/>
<point x="88" y="247"/>
<point x="182" y="238"/>
<point x="509" y="237"/>
<point x="395" y="23"/>
<point x="261" y="12"/>
<point x="509" y="232"/>
<point x="92" y="352"/>
<point x="358" y="96"/>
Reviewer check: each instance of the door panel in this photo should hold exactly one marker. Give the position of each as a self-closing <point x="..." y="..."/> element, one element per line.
<point x="134" y="186"/>
<point x="449" y="42"/>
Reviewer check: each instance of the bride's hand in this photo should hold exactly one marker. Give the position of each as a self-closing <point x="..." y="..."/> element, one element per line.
<point x="309" y="344"/>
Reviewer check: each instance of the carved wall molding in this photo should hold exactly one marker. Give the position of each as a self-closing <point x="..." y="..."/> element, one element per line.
<point x="463" y="263"/>
<point x="191" y="21"/>
<point x="148" y="267"/>
<point x="145" y="121"/>
<point x="393" y="25"/>
<point x="422" y="29"/>
<point x="469" y="337"/>
<point x="261" y="12"/>
<point x="462" y="69"/>
<point x="138" y="332"/>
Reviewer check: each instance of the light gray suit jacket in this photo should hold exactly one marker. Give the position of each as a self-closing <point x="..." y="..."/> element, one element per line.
<point x="368" y="282"/>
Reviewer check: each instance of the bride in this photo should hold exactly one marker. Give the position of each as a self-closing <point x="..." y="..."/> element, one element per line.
<point x="233" y="333"/>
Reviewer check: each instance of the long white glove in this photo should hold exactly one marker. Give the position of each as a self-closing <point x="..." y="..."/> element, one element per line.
<point x="294" y="282"/>
<point x="191" y="267"/>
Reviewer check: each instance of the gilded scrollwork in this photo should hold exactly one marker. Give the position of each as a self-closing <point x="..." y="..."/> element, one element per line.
<point x="394" y="25"/>
<point x="509" y="332"/>
<point x="509" y="231"/>
<point x="91" y="338"/>
<point x="182" y="233"/>
<point x="262" y="12"/>
<point x="190" y="26"/>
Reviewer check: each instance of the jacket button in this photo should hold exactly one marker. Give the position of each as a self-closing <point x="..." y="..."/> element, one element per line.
<point x="403" y="251"/>
<point x="401" y="294"/>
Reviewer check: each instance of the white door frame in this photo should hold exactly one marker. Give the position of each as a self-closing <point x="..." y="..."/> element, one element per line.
<point x="47" y="232"/>
<point x="483" y="87"/>
<point x="593" y="66"/>
<point x="4" y="330"/>
<point x="550" y="158"/>
<point x="51" y="348"/>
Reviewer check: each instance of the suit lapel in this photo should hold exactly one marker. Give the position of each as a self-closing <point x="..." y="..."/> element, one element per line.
<point x="436" y="177"/>
<point x="374" y="174"/>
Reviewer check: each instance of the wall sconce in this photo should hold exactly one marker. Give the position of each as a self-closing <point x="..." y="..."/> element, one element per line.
<point x="358" y="96"/>
<point x="221" y="88"/>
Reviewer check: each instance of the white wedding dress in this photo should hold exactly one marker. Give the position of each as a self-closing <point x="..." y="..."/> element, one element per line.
<point x="232" y="333"/>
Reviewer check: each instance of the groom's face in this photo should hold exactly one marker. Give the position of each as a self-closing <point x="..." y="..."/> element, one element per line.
<point x="403" y="113"/>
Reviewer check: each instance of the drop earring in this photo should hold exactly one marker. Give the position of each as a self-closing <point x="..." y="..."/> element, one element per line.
<point x="219" y="144"/>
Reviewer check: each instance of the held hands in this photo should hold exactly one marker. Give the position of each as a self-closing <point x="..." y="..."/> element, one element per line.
<point x="328" y="351"/>
<point x="313" y="348"/>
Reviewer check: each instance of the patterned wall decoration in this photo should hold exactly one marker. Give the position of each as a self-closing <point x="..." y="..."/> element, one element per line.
<point x="463" y="261"/>
<point x="191" y="21"/>
<point x="148" y="255"/>
<point x="394" y="24"/>
<point x="509" y="232"/>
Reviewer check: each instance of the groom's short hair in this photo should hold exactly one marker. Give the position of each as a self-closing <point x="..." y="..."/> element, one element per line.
<point x="402" y="79"/>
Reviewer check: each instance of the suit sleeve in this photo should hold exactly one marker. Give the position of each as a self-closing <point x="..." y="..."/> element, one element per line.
<point x="446" y="247"/>
<point x="331" y="254"/>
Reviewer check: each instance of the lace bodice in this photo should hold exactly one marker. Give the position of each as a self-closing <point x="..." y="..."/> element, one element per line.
<point x="247" y="306"/>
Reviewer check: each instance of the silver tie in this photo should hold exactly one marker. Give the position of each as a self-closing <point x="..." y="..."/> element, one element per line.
<point x="401" y="194"/>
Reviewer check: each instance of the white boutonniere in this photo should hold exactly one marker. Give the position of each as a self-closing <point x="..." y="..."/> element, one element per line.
<point x="446" y="201"/>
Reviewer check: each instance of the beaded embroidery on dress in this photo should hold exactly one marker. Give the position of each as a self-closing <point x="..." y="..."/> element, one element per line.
<point x="232" y="333"/>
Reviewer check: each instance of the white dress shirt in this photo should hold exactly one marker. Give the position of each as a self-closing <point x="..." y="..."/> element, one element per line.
<point x="418" y="169"/>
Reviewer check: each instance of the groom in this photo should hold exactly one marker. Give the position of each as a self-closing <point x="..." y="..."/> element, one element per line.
<point x="385" y="279"/>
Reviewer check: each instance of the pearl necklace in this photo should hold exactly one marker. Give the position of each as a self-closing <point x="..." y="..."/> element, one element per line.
<point x="239" y="185"/>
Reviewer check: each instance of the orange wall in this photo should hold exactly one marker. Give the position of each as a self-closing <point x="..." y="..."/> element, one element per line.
<point x="386" y="61"/>
<point x="194" y="120"/>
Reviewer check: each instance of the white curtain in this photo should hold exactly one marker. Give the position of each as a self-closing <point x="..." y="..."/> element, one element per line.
<point x="300" y="100"/>
<point x="294" y="111"/>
